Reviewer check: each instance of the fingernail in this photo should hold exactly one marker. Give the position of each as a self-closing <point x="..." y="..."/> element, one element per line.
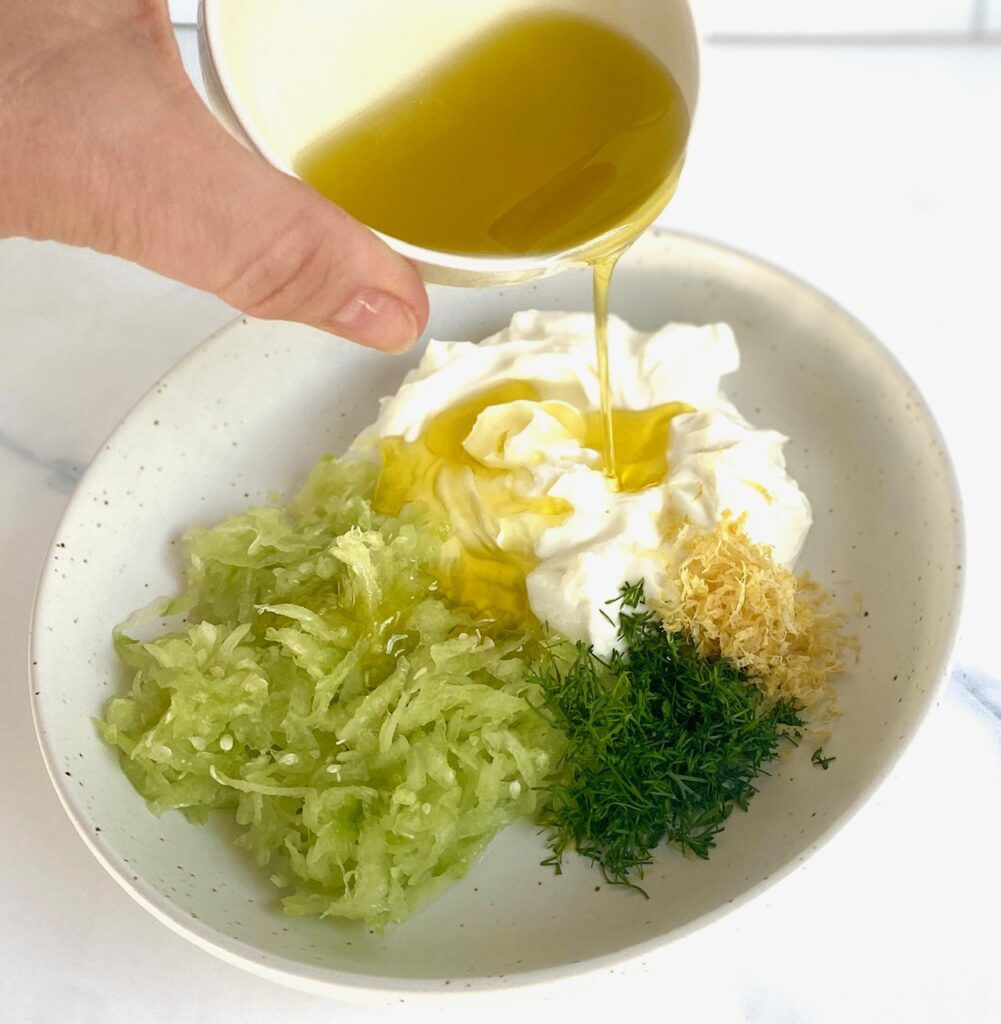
<point x="378" y="319"/>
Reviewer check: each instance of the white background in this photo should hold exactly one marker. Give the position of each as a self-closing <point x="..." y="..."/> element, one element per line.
<point x="871" y="171"/>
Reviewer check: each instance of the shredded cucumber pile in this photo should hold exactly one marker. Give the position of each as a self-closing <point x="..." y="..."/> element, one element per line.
<point x="371" y="739"/>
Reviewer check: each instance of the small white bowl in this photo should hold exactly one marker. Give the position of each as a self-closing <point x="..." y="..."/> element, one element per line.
<point x="250" y="412"/>
<point x="281" y="76"/>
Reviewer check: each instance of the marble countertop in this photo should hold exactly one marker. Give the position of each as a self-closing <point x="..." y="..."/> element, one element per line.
<point x="868" y="170"/>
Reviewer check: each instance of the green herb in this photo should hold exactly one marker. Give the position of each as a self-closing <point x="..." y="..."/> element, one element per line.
<point x="662" y="744"/>
<point x="818" y="759"/>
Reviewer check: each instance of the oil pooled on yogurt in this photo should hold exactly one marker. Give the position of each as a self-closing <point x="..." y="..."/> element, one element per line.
<point x="482" y="503"/>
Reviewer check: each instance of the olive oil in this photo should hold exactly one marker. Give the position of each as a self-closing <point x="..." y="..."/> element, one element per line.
<point x="543" y="134"/>
<point x="436" y="473"/>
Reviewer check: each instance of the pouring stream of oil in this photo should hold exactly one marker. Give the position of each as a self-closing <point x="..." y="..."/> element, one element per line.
<point x="602" y="270"/>
<point x="546" y="134"/>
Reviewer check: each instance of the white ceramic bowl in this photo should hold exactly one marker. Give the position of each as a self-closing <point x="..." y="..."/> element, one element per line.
<point x="252" y="409"/>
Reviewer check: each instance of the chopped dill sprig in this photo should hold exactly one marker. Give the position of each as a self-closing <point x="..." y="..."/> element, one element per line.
<point x="817" y="758"/>
<point x="661" y="745"/>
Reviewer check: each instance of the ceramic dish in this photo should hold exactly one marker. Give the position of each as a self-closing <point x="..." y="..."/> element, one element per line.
<point x="248" y="414"/>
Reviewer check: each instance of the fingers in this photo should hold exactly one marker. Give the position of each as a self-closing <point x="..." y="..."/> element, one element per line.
<point x="218" y="217"/>
<point x="305" y="259"/>
<point x="109" y="146"/>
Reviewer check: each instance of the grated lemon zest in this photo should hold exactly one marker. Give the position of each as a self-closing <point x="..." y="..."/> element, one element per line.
<point x="736" y="602"/>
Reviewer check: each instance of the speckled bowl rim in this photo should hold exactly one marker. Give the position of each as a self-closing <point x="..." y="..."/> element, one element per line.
<point x="355" y="987"/>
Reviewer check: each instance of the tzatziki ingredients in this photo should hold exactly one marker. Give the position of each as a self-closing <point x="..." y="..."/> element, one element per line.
<point x="662" y="744"/>
<point x="502" y="440"/>
<point x="424" y="644"/>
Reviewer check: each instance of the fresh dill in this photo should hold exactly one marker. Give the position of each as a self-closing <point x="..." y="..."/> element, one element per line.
<point x="661" y="745"/>
<point x="819" y="760"/>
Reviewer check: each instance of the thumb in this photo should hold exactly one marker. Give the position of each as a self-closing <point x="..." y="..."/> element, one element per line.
<point x="208" y="212"/>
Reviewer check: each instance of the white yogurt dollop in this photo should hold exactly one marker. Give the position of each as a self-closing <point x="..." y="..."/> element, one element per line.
<point x="556" y="353"/>
<point x="718" y="463"/>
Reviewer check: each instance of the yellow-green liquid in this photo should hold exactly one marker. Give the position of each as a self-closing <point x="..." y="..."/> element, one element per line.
<point x="544" y="133"/>
<point x="436" y="472"/>
<point x="547" y="133"/>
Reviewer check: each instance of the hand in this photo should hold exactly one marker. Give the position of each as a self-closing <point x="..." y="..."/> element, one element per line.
<point x="106" y="144"/>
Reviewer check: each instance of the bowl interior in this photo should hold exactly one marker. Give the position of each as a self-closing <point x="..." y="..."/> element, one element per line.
<point x="294" y="72"/>
<point x="248" y="414"/>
